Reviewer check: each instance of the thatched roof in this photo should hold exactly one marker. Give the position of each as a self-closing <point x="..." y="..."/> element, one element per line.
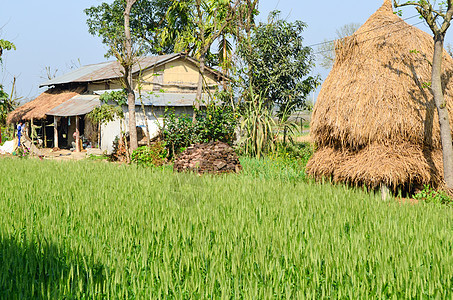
<point x="374" y="101"/>
<point x="38" y="108"/>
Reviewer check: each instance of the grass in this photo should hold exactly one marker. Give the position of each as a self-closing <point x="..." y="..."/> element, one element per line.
<point x="90" y="230"/>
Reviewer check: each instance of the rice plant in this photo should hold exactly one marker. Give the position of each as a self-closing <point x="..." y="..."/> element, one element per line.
<point x="92" y="230"/>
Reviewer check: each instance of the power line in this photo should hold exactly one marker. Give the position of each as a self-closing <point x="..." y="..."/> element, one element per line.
<point x="383" y="26"/>
<point x="319" y="52"/>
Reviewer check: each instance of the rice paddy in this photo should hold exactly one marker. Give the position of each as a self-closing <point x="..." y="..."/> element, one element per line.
<point x="91" y="230"/>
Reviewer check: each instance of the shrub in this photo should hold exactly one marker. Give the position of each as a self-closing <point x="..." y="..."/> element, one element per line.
<point x="153" y="155"/>
<point x="430" y="195"/>
<point x="297" y="151"/>
<point x="257" y="128"/>
<point x="178" y="131"/>
<point x="215" y="123"/>
<point x="21" y="152"/>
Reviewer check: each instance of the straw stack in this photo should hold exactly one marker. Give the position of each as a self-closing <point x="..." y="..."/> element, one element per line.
<point x="375" y="120"/>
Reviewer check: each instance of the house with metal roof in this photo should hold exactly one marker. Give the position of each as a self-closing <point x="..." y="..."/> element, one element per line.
<point x="165" y="81"/>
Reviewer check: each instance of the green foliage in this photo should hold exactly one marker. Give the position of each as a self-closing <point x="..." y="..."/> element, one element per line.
<point x="287" y="163"/>
<point x="7" y="105"/>
<point x="278" y="64"/>
<point x="193" y="27"/>
<point x="6" y="45"/>
<point x="301" y="152"/>
<point x="153" y="155"/>
<point x="155" y="234"/>
<point x="430" y="195"/>
<point x="178" y="131"/>
<point x="147" y="18"/>
<point x="213" y="123"/>
<point x="105" y="113"/>
<point x="21" y="152"/>
<point x="216" y="123"/>
<point x="4" y="107"/>
<point x="8" y="134"/>
<point x="257" y="126"/>
<point x="117" y="97"/>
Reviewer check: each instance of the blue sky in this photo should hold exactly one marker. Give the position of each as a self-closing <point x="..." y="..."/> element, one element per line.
<point x="55" y="34"/>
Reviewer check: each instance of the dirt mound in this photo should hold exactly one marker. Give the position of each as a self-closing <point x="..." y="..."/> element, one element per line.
<point x="214" y="157"/>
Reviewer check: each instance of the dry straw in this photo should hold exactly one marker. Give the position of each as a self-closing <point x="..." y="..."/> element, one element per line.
<point x="375" y="119"/>
<point x="38" y="108"/>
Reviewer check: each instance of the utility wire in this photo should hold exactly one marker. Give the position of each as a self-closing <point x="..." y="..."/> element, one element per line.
<point x="383" y="26"/>
<point x="376" y="37"/>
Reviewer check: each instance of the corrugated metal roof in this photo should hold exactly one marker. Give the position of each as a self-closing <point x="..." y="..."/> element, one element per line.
<point x="169" y="99"/>
<point x="76" y="106"/>
<point x="163" y="99"/>
<point x="107" y="70"/>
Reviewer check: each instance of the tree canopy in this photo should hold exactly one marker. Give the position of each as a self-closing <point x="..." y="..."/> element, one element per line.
<point x="279" y="64"/>
<point x="194" y="25"/>
<point x="147" y="19"/>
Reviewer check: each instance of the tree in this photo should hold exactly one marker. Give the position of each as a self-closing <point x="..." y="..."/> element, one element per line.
<point x="127" y="62"/>
<point x="194" y="25"/>
<point x="438" y="18"/>
<point x="120" y="41"/>
<point x="6" y="45"/>
<point x="327" y="48"/>
<point x="8" y="102"/>
<point x="147" y="19"/>
<point x="279" y="64"/>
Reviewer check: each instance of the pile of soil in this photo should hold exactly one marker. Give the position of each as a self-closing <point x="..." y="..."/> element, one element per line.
<point x="214" y="157"/>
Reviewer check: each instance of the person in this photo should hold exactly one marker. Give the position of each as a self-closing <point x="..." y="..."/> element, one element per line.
<point x="19" y="132"/>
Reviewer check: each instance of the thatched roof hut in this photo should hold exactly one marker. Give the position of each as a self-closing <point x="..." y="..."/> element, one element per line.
<point x="375" y="120"/>
<point x="45" y="102"/>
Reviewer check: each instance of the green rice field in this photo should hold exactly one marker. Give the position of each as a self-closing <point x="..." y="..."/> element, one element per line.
<point x="94" y="230"/>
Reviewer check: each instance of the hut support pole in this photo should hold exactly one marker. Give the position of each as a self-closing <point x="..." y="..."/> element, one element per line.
<point x="31" y="131"/>
<point x="385" y="192"/>
<point x="77" y="139"/>
<point x="55" y="132"/>
<point x="44" y="132"/>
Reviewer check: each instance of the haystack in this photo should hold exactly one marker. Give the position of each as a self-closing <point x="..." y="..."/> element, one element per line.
<point x="375" y="120"/>
<point x="45" y="102"/>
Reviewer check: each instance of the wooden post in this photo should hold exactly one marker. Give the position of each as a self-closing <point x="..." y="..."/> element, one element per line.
<point x="77" y="140"/>
<point x="385" y="192"/>
<point x="31" y="131"/>
<point x="55" y="132"/>
<point x="44" y="133"/>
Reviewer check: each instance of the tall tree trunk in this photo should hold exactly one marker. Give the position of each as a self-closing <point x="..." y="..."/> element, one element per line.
<point x="225" y="68"/>
<point x="128" y="77"/>
<point x="200" y="84"/>
<point x="444" y="121"/>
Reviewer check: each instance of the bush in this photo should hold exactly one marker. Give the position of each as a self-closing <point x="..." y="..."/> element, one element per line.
<point x="150" y="156"/>
<point x="430" y="195"/>
<point x="178" y="131"/>
<point x="21" y="152"/>
<point x="215" y="123"/>
<point x="298" y="151"/>
<point x="8" y="134"/>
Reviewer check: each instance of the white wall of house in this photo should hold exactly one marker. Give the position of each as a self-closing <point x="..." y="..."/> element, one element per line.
<point x="154" y="115"/>
<point x="109" y="132"/>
